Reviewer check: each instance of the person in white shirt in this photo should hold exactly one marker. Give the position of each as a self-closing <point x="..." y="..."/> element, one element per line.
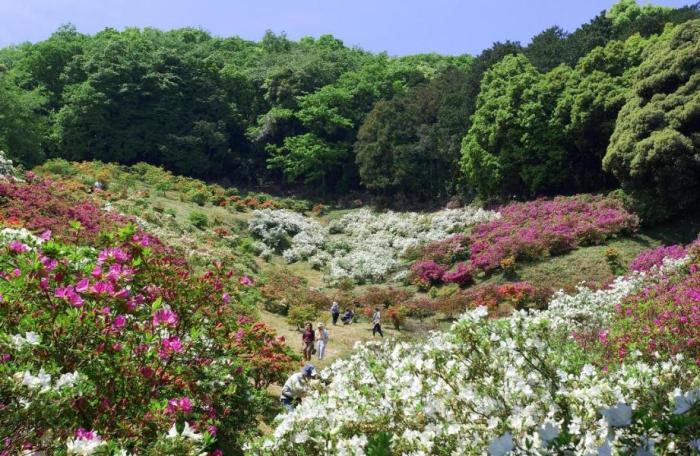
<point x="322" y="338"/>
<point x="296" y="387"/>
<point x="376" y="320"/>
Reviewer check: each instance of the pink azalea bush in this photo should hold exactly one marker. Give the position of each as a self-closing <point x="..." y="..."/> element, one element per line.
<point x="462" y="275"/>
<point x="446" y="251"/>
<point x="655" y="257"/>
<point x="536" y="229"/>
<point x="427" y="272"/>
<point x="124" y="347"/>
<point x="664" y="318"/>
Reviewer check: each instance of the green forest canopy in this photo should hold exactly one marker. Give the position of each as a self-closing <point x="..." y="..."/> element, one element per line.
<point x="514" y="121"/>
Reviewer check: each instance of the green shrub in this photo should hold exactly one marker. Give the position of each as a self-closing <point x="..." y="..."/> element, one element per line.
<point x="198" y="197"/>
<point x="300" y="315"/>
<point x="60" y="167"/>
<point x="199" y="220"/>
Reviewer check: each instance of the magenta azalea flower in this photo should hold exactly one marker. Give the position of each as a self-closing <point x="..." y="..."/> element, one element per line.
<point x="18" y="247"/>
<point x="82" y="286"/>
<point x="169" y="346"/>
<point x="119" y="322"/>
<point x="165" y="317"/>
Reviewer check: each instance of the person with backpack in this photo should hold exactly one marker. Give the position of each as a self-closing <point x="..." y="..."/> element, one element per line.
<point x="376" y="320"/>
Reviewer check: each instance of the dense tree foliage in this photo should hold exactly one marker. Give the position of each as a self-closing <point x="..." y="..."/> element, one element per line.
<point x="512" y="121"/>
<point x="410" y="144"/>
<point x="654" y="148"/>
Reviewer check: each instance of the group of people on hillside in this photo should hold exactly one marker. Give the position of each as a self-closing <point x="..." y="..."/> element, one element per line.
<point x="315" y="342"/>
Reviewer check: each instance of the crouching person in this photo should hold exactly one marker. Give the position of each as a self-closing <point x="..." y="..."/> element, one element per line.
<point x="296" y="387"/>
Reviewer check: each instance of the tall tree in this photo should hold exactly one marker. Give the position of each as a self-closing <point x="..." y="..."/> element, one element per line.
<point x="654" y="148"/>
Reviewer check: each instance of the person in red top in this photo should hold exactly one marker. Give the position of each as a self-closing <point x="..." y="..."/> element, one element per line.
<point x="308" y="338"/>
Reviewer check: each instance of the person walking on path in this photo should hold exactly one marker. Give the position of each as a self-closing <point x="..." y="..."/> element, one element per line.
<point x="376" y="320"/>
<point x="335" y="312"/>
<point x="307" y="339"/>
<point x="322" y="340"/>
<point x="296" y="386"/>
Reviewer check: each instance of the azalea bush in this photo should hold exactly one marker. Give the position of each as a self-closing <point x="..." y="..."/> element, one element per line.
<point x="659" y="320"/>
<point x="115" y="344"/>
<point x="445" y="251"/>
<point x="521" y="385"/>
<point x="383" y="297"/>
<point x="41" y="204"/>
<point x="655" y="257"/>
<point x="427" y="273"/>
<point x="462" y="275"/>
<point x="536" y="229"/>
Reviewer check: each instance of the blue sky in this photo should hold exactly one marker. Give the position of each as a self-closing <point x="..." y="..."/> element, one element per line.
<point x="398" y="27"/>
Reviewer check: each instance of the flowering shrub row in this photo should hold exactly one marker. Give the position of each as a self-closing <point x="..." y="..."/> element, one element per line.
<point x="655" y="257"/>
<point x="521" y="385"/>
<point x="533" y="230"/>
<point x="117" y="181"/>
<point x="41" y="205"/>
<point x="363" y="245"/>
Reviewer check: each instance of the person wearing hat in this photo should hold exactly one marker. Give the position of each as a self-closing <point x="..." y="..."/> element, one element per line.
<point x="296" y="386"/>
<point x="322" y="340"/>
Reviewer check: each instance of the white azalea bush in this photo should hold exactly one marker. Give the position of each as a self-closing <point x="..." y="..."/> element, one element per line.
<point x="514" y="386"/>
<point x="363" y="245"/>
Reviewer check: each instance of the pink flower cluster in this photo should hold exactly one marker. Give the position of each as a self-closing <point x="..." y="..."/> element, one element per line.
<point x="427" y="272"/>
<point x="84" y="434"/>
<point x="663" y="318"/>
<point x="164" y="317"/>
<point x="447" y="250"/>
<point x="463" y="275"/>
<point x="655" y="257"/>
<point x="109" y="283"/>
<point x="182" y="404"/>
<point x="535" y="229"/>
<point x="169" y="346"/>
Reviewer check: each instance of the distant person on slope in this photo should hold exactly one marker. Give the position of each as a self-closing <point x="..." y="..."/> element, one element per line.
<point x="295" y="387"/>
<point x="347" y="316"/>
<point x="307" y="339"/>
<point x="322" y="340"/>
<point x="335" y="312"/>
<point x="376" y="320"/>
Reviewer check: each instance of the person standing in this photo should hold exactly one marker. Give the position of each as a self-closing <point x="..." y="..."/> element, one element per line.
<point x="335" y="312"/>
<point x="307" y="339"/>
<point x="296" y="386"/>
<point x="377" y="320"/>
<point x="322" y="340"/>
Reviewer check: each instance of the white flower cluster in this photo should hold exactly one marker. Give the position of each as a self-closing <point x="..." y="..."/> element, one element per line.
<point x="8" y="235"/>
<point x="362" y="245"/>
<point x="42" y="381"/>
<point x="7" y="168"/>
<point x="29" y="338"/>
<point x="587" y="309"/>
<point x="84" y="446"/>
<point x="514" y="386"/>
